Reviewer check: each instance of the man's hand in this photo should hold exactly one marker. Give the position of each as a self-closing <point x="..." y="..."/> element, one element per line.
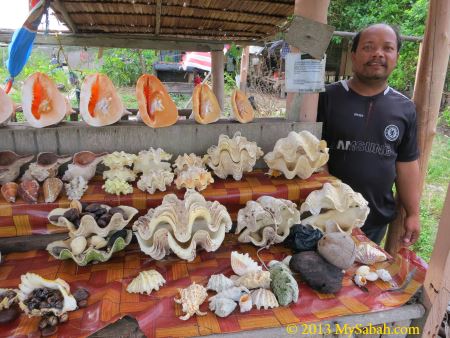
<point x="412" y="230"/>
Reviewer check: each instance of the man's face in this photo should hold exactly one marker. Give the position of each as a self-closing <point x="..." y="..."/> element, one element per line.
<point x="376" y="55"/>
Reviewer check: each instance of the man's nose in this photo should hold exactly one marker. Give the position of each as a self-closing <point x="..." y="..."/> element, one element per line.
<point x="378" y="52"/>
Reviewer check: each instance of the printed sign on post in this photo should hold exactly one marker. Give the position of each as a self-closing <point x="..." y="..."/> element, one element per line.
<point x="304" y="75"/>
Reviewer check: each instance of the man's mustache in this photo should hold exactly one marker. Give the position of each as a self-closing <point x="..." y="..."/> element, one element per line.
<point x="378" y="62"/>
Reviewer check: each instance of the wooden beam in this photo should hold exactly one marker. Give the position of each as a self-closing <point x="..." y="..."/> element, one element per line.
<point x="217" y="65"/>
<point x="350" y="36"/>
<point x="26" y="243"/>
<point x="59" y="6"/>
<point x="427" y="96"/>
<point x="244" y="69"/>
<point x="158" y="17"/>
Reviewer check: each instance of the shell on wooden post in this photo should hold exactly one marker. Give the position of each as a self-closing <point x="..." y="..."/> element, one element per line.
<point x="10" y="164"/>
<point x="241" y="106"/>
<point x="205" y="106"/>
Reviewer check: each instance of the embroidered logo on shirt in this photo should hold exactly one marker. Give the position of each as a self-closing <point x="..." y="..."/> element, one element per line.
<point x="358" y="115"/>
<point x="391" y="132"/>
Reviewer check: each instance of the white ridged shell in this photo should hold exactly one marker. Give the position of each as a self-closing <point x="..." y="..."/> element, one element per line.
<point x="219" y="283"/>
<point x="264" y="298"/>
<point x="155" y="180"/>
<point x="146" y="282"/>
<point x="367" y="254"/>
<point x="243" y="263"/>
<point x="254" y="280"/>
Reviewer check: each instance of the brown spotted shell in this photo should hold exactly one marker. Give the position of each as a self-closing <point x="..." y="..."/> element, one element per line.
<point x="29" y="191"/>
<point x="52" y="188"/>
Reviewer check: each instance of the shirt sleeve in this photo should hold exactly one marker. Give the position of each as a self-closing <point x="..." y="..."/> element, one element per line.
<point x="408" y="150"/>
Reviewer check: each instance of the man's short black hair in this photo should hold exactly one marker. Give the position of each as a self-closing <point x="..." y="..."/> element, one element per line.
<point x="355" y="40"/>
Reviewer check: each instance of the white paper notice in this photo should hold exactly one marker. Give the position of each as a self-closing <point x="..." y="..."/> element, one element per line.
<point x="304" y="75"/>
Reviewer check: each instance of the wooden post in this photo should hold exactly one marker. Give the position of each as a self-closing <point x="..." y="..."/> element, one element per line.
<point x="432" y="68"/>
<point x="304" y="106"/>
<point x="217" y="75"/>
<point x="244" y="69"/>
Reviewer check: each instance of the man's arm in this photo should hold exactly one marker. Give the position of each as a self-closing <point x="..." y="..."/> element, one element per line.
<point x="407" y="184"/>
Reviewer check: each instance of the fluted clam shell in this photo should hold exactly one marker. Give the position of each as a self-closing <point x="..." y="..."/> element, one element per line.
<point x="146" y="282"/>
<point x="29" y="191"/>
<point x="52" y="188"/>
<point x="264" y="298"/>
<point x="367" y="254"/>
<point x="9" y="191"/>
<point x="242" y="264"/>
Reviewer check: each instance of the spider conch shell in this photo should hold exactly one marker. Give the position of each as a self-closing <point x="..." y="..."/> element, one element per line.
<point x="31" y="281"/>
<point x="46" y="165"/>
<point x="242" y="264"/>
<point x="367" y="254"/>
<point x="299" y="154"/>
<point x="233" y="156"/>
<point x="334" y="202"/>
<point x="222" y="307"/>
<point x="146" y="282"/>
<point x="190" y="299"/>
<point x="180" y="225"/>
<point x="84" y="163"/>
<point x="266" y="221"/>
<point x="99" y="104"/>
<point x="254" y="280"/>
<point x="10" y="164"/>
<point x="219" y="283"/>
<point x="242" y="108"/>
<point x="205" y="107"/>
<point x="6" y="107"/>
<point x="264" y="298"/>
<point x="42" y="103"/>
<point x="156" y="107"/>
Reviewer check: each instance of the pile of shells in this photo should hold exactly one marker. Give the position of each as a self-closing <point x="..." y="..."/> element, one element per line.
<point x="9" y="307"/>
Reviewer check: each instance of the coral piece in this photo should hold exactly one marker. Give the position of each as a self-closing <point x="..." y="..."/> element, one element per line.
<point x="266" y="221"/>
<point x="185" y="161"/>
<point x="29" y="191"/>
<point x="222" y="307"/>
<point x="9" y="191"/>
<point x="100" y="105"/>
<point x="117" y="160"/>
<point x="6" y="107"/>
<point x="156" y="173"/>
<point x="118" y="175"/>
<point x="337" y="203"/>
<point x="76" y="188"/>
<point x="219" y="283"/>
<point x="121" y="216"/>
<point x="156" y="180"/>
<point x="117" y="187"/>
<point x="180" y="225"/>
<point x="284" y="286"/>
<point x="42" y="103"/>
<point x="84" y="163"/>
<point x="156" y="107"/>
<point x="338" y="248"/>
<point x="10" y="164"/>
<point x="233" y="156"/>
<point x="367" y="254"/>
<point x="242" y="108"/>
<point x="245" y="303"/>
<point x="190" y="299"/>
<point x="52" y="188"/>
<point x="243" y="263"/>
<point x="264" y="298"/>
<point x="254" y="280"/>
<point x="303" y="238"/>
<point x="205" y="107"/>
<point x="47" y="165"/>
<point x="317" y="272"/>
<point x="384" y="275"/>
<point x="146" y="282"/>
<point x="117" y="241"/>
<point x="233" y="293"/>
<point x="299" y="154"/>
<point x="31" y="281"/>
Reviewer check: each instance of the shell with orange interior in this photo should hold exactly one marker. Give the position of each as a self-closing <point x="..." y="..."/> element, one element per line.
<point x="6" y="107"/>
<point x="100" y="105"/>
<point x="42" y="103"/>
<point x="205" y="107"/>
<point x="242" y="109"/>
<point x="156" y="107"/>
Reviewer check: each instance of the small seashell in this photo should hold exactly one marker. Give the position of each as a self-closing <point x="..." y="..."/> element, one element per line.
<point x="245" y="303"/>
<point x="29" y="190"/>
<point x="384" y="275"/>
<point x="367" y="254"/>
<point x="9" y="191"/>
<point x="241" y="264"/>
<point x="371" y="276"/>
<point x="254" y="280"/>
<point x="219" y="283"/>
<point x="363" y="270"/>
<point x="98" y="242"/>
<point x="360" y="280"/>
<point x="233" y="293"/>
<point x="52" y="188"/>
<point x="222" y="307"/>
<point x="78" y="244"/>
<point x="264" y="298"/>
<point x="190" y="299"/>
<point x="146" y="282"/>
<point x="76" y="204"/>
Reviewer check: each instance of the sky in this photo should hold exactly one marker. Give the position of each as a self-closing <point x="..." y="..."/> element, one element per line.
<point x="13" y="14"/>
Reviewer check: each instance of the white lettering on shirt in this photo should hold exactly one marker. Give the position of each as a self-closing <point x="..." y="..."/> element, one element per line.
<point x="366" y="147"/>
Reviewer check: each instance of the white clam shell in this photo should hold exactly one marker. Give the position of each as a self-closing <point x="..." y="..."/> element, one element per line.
<point x="264" y="298"/>
<point x="363" y="270"/>
<point x="243" y="263"/>
<point x="219" y="283"/>
<point x="146" y="282"/>
<point x="98" y="242"/>
<point x="384" y="275"/>
<point x="222" y="307"/>
<point x="78" y="245"/>
<point x="245" y="303"/>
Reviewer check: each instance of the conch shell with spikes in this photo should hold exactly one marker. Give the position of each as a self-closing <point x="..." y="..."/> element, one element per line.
<point x="190" y="299"/>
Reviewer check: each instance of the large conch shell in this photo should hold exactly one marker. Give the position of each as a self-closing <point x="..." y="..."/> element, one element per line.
<point x="84" y="163"/>
<point x="367" y="254"/>
<point x="233" y="156"/>
<point x="242" y="108"/>
<point x="266" y="221"/>
<point x="146" y="282"/>
<point x="205" y="107"/>
<point x="298" y="154"/>
<point x="180" y="225"/>
<point x="190" y="299"/>
<point x="31" y="281"/>
<point x="10" y="164"/>
<point x="47" y="165"/>
<point x="264" y="298"/>
<point x="156" y="107"/>
<point x="336" y="203"/>
<point x="100" y="105"/>
<point x="6" y="107"/>
<point x="42" y="103"/>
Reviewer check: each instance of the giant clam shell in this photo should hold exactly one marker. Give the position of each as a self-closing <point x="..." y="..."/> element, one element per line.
<point x="194" y="178"/>
<point x="367" y="254"/>
<point x="152" y="160"/>
<point x="243" y="263"/>
<point x="190" y="299"/>
<point x="155" y="180"/>
<point x="10" y="164"/>
<point x="264" y="298"/>
<point x="6" y="107"/>
<point x="47" y="165"/>
<point x="222" y="307"/>
<point x="84" y="163"/>
<point x="146" y="282"/>
<point x="185" y="161"/>
<point x="9" y="191"/>
<point x="180" y="225"/>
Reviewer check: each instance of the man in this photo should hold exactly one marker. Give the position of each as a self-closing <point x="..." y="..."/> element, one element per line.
<point x="371" y="131"/>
